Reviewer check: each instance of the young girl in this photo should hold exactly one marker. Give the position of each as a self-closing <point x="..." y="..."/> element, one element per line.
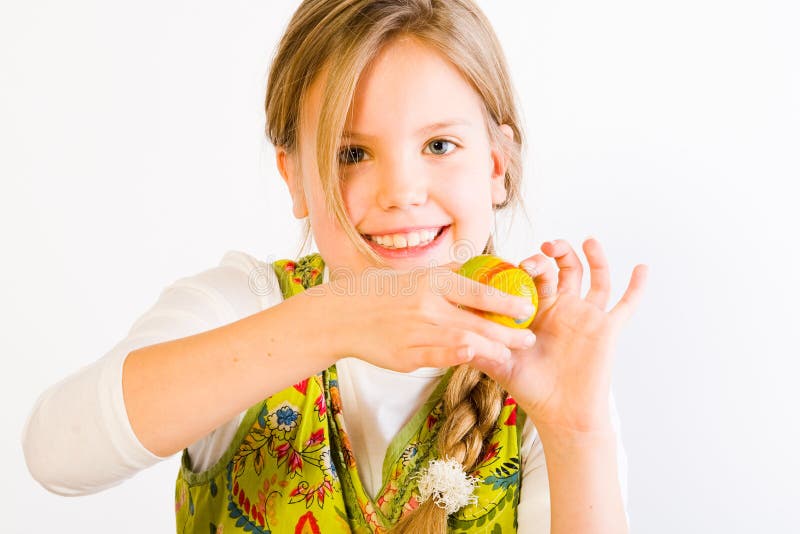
<point x="344" y="396"/>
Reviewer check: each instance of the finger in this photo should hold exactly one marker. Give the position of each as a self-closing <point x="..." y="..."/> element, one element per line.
<point x="623" y="310"/>
<point x="412" y="358"/>
<point x="464" y="291"/>
<point x="423" y="349"/>
<point x="543" y="272"/>
<point x="452" y="266"/>
<point x="498" y="371"/>
<point x="458" y="338"/>
<point x="515" y="338"/>
<point x="570" y="269"/>
<point x="598" y="268"/>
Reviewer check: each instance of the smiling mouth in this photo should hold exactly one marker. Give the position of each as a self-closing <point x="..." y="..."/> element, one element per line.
<point x="409" y="240"/>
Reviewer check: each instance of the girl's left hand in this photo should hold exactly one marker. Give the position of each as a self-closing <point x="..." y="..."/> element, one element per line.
<point x="563" y="381"/>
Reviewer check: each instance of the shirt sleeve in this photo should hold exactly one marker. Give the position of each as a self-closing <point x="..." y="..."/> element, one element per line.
<point x="533" y="513"/>
<point x="77" y="438"/>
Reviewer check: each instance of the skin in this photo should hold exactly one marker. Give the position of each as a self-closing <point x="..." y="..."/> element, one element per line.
<point x="400" y="179"/>
<point x="563" y="380"/>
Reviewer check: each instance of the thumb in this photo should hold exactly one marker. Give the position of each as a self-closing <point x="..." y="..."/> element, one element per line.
<point x="497" y="371"/>
<point x="544" y="276"/>
<point x="452" y="266"/>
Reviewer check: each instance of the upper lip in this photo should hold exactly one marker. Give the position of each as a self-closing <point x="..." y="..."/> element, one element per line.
<point x="406" y="229"/>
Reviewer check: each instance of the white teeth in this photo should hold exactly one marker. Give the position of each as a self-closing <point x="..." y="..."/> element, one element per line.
<point x="410" y="239"/>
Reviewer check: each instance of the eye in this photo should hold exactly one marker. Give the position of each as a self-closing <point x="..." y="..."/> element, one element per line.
<point x="439" y="146"/>
<point x="350" y="155"/>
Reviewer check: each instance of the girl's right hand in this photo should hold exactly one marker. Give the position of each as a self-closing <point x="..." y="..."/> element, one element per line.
<point x="406" y="320"/>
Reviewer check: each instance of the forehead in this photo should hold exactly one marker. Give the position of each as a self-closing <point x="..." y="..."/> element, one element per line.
<point x="408" y="85"/>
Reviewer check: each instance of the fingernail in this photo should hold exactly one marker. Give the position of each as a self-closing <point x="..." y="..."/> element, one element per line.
<point x="466" y="353"/>
<point x="506" y="353"/>
<point x="527" y="311"/>
<point x="530" y="339"/>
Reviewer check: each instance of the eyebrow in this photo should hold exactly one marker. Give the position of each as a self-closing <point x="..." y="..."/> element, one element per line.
<point x="425" y="129"/>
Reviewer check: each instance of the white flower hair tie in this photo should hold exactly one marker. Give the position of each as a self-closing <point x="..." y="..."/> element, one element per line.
<point x="448" y="484"/>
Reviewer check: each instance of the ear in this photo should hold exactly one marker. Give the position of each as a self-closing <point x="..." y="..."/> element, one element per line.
<point x="288" y="167"/>
<point x="499" y="166"/>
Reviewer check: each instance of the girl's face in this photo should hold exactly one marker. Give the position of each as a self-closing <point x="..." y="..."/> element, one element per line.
<point x="416" y="155"/>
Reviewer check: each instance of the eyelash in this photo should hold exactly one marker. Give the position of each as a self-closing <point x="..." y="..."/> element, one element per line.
<point x="344" y="150"/>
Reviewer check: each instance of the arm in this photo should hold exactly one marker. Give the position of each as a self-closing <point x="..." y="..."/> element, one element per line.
<point x="178" y="391"/>
<point x="534" y="512"/>
<point x="585" y="493"/>
<point x="78" y="438"/>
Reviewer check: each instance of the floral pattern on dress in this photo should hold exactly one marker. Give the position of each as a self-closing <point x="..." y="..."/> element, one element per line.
<point x="283" y="419"/>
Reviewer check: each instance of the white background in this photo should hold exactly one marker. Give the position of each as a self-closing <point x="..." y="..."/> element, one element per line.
<point x="132" y="153"/>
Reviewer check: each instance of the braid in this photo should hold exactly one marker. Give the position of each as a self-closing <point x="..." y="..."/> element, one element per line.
<point x="470" y="415"/>
<point x="472" y="404"/>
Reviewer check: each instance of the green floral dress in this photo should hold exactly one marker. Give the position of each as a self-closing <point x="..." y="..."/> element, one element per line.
<point x="290" y="467"/>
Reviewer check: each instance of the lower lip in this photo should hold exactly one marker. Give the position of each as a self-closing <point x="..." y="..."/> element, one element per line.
<point x="408" y="252"/>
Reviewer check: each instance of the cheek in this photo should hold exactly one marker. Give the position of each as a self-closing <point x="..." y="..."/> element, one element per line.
<point x="470" y="168"/>
<point x="465" y="186"/>
<point x="356" y="199"/>
<point x="469" y="199"/>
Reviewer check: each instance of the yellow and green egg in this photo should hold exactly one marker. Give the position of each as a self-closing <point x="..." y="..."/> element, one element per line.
<point x="500" y="274"/>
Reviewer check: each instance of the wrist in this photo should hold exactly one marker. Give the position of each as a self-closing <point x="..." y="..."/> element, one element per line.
<point x="594" y="423"/>
<point x="599" y="431"/>
<point x="322" y="307"/>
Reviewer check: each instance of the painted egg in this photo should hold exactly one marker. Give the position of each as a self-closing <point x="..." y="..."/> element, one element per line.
<point x="498" y="273"/>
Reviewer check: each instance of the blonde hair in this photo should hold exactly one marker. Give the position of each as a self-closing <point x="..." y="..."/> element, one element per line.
<point x="343" y="36"/>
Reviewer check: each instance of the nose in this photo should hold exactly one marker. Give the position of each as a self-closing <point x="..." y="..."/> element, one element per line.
<point x="401" y="186"/>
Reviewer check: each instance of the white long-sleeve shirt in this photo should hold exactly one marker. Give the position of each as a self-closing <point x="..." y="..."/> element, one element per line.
<point x="85" y="413"/>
